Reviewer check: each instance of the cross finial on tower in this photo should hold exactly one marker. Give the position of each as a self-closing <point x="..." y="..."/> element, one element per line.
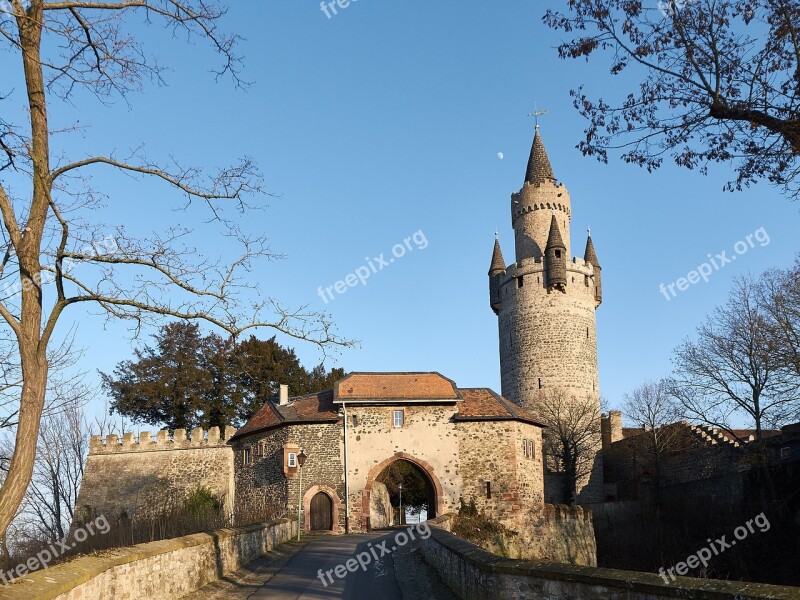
<point x="589" y="230"/>
<point x="537" y="113"/>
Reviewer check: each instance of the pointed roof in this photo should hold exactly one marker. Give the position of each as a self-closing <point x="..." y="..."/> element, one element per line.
<point x="590" y="256"/>
<point x="539" y="169"/>
<point x="554" y="240"/>
<point x="498" y="264"/>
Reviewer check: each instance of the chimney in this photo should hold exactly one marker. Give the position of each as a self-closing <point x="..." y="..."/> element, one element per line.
<point x="284" y="395"/>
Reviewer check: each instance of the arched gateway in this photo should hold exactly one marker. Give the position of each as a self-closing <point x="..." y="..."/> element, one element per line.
<point x="434" y="487"/>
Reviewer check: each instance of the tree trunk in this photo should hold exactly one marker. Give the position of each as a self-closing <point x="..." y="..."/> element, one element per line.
<point x="27" y="245"/>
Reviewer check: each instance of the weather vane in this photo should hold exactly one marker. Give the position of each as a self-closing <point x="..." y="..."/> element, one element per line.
<point x="537" y="113"/>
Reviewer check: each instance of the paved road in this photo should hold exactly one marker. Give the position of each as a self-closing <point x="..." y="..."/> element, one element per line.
<point x="393" y="575"/>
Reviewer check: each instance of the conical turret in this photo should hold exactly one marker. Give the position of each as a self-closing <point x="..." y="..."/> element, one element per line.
<point x="590" y="256"/>
<point x="496" y="271"/>
<point x="498" y="264"/>
<point x="555" y="258"/>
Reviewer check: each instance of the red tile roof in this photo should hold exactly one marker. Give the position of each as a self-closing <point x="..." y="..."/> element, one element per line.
<point x="474" y="404"/>
<point x="395" y="386"/>
<point x="312" y="408"/>
<point x="482" y="404"/>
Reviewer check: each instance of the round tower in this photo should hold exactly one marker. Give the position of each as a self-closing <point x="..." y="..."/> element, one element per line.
<point x="545" y="303"/>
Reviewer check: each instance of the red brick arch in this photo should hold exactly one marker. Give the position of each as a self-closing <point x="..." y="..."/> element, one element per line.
<point x="418" y="462"/>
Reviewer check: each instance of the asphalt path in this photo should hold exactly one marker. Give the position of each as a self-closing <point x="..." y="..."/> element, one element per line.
<point x="320" y="571"/>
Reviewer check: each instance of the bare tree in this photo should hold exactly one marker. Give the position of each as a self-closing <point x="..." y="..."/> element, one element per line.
<point x="651" y="407"/>
<point x="730" y="371"/>
<point x="779" y="292"/>
<point x="54" y="256"/>
<point x="57" y="475"/>
<point x="713" y="81"/>
<point x="572" y="438"/>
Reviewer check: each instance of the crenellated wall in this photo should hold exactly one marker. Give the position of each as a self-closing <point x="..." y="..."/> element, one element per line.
<point x="135" y="477"/>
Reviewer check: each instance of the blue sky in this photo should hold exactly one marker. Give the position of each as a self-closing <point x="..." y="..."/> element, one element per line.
<point x="387" y="120"/>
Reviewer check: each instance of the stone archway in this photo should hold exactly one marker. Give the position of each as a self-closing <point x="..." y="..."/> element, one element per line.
<point x="335" y="506"/>
<point x="437" y="505"/>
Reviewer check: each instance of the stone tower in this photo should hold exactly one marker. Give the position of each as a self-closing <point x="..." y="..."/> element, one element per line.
<point x="545" y="303"/>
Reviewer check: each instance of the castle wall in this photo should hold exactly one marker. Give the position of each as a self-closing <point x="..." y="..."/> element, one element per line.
<point x="136" y="478"/>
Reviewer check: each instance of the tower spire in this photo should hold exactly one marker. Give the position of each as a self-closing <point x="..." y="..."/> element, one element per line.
<point x="498" y="263"/>
<point x="539" y="169"/>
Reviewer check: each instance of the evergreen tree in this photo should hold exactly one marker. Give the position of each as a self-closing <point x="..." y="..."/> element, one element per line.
<point x="187" y="380"/>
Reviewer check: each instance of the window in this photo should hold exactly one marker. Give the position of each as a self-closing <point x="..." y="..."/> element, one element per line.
<point x="355" y="421"/>
<point x="785" y="452"/>
<point x="558" y="253"/>
<point x="520" y="282"/>
<point x="248" y="459"/>
<point x="397" y="419"/>
<point x="527" y="449"/>
<point x="540" y="383"/>
<point x="489" y="490"/>
<point x="292" y="460"/>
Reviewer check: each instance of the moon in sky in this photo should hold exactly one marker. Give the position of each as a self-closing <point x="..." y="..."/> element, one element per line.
<point x="500" y="155"/>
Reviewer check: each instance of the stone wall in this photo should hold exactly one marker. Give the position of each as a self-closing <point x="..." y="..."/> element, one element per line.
<point x="165" y="569"/>
<point x="474" y="574"/>
<point x="261" y="485"/>
<point x="493" y="452"/>
<point x="135" y="478"/>
<point x="323" y="445"/>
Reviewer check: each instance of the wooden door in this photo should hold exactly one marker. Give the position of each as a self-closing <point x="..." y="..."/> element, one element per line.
<point x="321" y="512"/>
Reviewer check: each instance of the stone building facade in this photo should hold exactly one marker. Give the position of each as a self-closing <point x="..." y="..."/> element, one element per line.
<point x="545" y="303"/>
<point x="465" y="443"/>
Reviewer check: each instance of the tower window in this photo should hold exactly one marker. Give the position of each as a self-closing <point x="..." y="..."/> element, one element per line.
<point x="558" y="253"/>
<point x="489" y="490"/>
<point x="540" y="383"/>
<point x="520" y="282"/>
<point x="587" y="333"/>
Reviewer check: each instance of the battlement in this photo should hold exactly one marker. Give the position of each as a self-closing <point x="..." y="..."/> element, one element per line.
<point x="528" y="266"/>
<point x="178" y="440"/>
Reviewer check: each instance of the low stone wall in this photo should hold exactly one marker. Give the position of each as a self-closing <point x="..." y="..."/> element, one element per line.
<point x="474" y="574"/>
<point x="560" y="534"/>
<point x="164" y="569"/>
